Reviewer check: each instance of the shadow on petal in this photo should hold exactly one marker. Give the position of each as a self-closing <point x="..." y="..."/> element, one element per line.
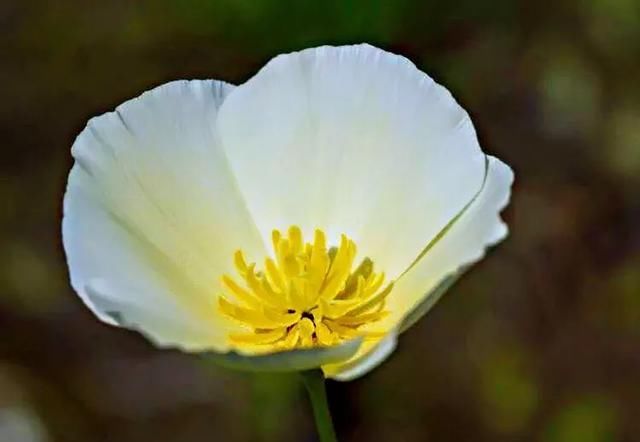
<point x="293" y="360"/>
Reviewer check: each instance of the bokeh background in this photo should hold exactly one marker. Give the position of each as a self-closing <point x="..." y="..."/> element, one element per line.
<point x="539" y="342"/>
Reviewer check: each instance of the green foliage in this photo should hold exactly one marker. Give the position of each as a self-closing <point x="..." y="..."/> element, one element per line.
<point x="588" y="419"/>
<point x="509" y="390"/>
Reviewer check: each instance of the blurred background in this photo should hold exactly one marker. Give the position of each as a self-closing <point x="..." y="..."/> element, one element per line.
<point x="539" y="342"/>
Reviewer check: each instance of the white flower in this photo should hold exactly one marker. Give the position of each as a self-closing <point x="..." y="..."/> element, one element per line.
<point x="300" y="220"/>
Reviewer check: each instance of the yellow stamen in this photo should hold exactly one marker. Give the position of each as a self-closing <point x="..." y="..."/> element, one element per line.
<point x="307" y="296"/>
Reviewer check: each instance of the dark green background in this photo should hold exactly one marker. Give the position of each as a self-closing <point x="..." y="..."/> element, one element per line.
<point x="539" y="342"/>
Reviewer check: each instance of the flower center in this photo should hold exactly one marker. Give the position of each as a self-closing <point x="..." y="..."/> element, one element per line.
<point x="307" y="296"/>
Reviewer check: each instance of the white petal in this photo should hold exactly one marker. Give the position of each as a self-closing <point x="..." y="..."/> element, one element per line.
<point x="156" y="314"/>
<point x="368" y="357"/>
<point x="152" y="207"/>
<point x="353" y="140"/>
<point x="463" y="243"/>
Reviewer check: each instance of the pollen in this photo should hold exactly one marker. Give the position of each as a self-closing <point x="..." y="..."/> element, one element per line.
<point x="307" y="295"/>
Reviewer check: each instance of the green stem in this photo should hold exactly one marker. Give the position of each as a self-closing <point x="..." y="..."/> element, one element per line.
<point x="314" y="382"/>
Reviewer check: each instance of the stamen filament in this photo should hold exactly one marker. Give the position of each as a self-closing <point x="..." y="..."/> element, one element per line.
<point x="307" y="296"/>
